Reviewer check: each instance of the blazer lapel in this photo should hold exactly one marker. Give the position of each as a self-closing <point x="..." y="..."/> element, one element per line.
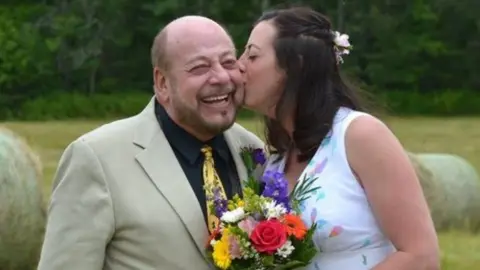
<point x="235" y="146"/>
<point x="160" y="164"/>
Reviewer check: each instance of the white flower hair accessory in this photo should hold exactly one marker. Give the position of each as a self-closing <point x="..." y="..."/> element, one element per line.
<point x="341" y="45"/>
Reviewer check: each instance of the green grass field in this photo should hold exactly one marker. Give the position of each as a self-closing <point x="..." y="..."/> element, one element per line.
<point x="460" y="250"/>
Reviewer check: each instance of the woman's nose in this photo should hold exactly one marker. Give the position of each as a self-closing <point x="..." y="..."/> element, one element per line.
<point x="241" y="66"/>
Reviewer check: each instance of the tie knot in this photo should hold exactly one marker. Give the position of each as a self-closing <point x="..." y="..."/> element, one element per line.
<point x="207" y="151"/>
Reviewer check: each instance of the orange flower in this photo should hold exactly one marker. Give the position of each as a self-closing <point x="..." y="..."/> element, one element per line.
<point x="213" y="235"/>
<point x="294" y="225"/>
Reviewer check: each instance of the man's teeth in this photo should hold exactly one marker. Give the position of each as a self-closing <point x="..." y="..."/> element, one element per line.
<point x="217" y="98"/>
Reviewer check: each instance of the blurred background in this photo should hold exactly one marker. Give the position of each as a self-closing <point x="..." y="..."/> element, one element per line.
<point x="68" y="66"/>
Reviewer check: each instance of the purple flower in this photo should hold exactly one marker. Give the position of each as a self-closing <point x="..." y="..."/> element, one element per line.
<point x="276" y="187"/>
<point x="219" y="202"/>
<point x="285" y="201"/>
<point x="220" y="207"/>
<point x="259" y="156"/>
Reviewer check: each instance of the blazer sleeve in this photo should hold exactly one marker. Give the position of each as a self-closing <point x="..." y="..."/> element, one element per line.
<point x="80" y="216"/>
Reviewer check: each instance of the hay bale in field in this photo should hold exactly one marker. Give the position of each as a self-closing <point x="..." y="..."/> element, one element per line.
<point x="432" y="190"/>
<point x="22" y="209"/>
<point x="452" y="188"/>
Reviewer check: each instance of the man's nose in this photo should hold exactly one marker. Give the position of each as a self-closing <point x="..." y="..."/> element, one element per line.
<point x="220" y="76"/>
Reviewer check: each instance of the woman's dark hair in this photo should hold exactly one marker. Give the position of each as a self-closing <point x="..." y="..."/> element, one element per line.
<point x="314" y="89"/>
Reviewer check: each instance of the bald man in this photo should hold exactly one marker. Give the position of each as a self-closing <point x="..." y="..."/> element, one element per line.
<point x="129" y="195"/>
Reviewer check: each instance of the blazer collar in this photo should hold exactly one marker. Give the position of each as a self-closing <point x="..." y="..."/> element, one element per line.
<point x="159" y="163"/>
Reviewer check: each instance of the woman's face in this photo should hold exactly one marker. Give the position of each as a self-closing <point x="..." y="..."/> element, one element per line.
<point x="263" y="78"/>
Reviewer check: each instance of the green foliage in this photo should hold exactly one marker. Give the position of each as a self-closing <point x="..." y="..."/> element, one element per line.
<point x="62" y="106"/>
<point x="440" y="103"/>
<point x="302" y="190"/>
<point x="418" y="48"/>
<point x="58" y="106"/>
<point x="306" y="251"/>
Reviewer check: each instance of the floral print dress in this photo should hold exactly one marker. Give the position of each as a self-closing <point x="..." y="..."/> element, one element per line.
<point x="347" y="236"/>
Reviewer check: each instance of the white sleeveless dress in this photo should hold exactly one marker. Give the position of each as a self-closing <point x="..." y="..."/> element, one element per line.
<point x="348" y="236"/>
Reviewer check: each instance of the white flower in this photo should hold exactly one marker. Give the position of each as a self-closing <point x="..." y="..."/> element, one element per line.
<point x="212" y="242"/>
<point x="341" y="40"/>
<point x="233" y="216"/>
<point x="285" y="250"/>
<point x="342" y="45"/>
<point x="273" y="210"/>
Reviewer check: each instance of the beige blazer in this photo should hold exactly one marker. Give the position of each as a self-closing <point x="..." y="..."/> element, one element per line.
<point x="121" y="201"/>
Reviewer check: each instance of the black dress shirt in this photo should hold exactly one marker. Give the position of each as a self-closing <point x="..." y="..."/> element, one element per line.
<point x="187" y="149"/>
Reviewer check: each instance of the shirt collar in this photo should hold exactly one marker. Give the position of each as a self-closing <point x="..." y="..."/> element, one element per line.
<point x="188" y="145"/>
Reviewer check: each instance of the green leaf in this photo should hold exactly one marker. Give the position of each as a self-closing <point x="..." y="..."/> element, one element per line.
<point x="306" y="249"/>
<point x="248" y="160"/>
<point x="52" y="44"/>
<point x="291" y="265"/>
<point x="253" y="184"/>
<point x="268" y="260"/>
<point x="302" y="189"/>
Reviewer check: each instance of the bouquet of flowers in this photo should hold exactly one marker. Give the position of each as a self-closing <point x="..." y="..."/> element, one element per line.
<point x="262" y="229"/>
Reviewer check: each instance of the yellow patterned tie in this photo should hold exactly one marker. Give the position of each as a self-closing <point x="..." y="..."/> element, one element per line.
<point x="211" y="181"/>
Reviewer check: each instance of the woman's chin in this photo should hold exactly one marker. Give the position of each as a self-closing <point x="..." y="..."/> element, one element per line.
<point x="261" y="110"/>
<point x="251" y="108"/>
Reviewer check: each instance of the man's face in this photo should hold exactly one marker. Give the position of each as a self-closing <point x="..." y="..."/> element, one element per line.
<point x="203" y="84"/>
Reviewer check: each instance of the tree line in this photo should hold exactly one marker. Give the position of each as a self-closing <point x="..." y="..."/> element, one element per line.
<point x="91" y="58"/>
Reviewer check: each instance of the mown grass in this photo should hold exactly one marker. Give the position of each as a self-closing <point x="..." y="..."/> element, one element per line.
<point x="461" y="136"/>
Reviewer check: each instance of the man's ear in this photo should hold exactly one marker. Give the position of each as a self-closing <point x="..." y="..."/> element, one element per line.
<point x="160" y="85"/>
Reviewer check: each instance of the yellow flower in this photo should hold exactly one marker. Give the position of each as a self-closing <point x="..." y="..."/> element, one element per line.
<point x="225" y="233"/>
<point x="240" y="203"/>
<point x="221" y="254"/>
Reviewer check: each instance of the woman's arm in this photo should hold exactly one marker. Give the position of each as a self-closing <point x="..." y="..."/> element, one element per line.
<point x="394" y="193"/>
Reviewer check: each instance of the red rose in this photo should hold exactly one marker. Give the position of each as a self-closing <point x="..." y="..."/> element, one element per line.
<point x="268" y="236"/>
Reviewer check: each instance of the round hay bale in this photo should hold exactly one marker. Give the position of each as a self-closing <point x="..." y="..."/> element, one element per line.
<point x="452" y="189"/>
<point x="432" y="191"/>
<point x="22" y="209"/>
